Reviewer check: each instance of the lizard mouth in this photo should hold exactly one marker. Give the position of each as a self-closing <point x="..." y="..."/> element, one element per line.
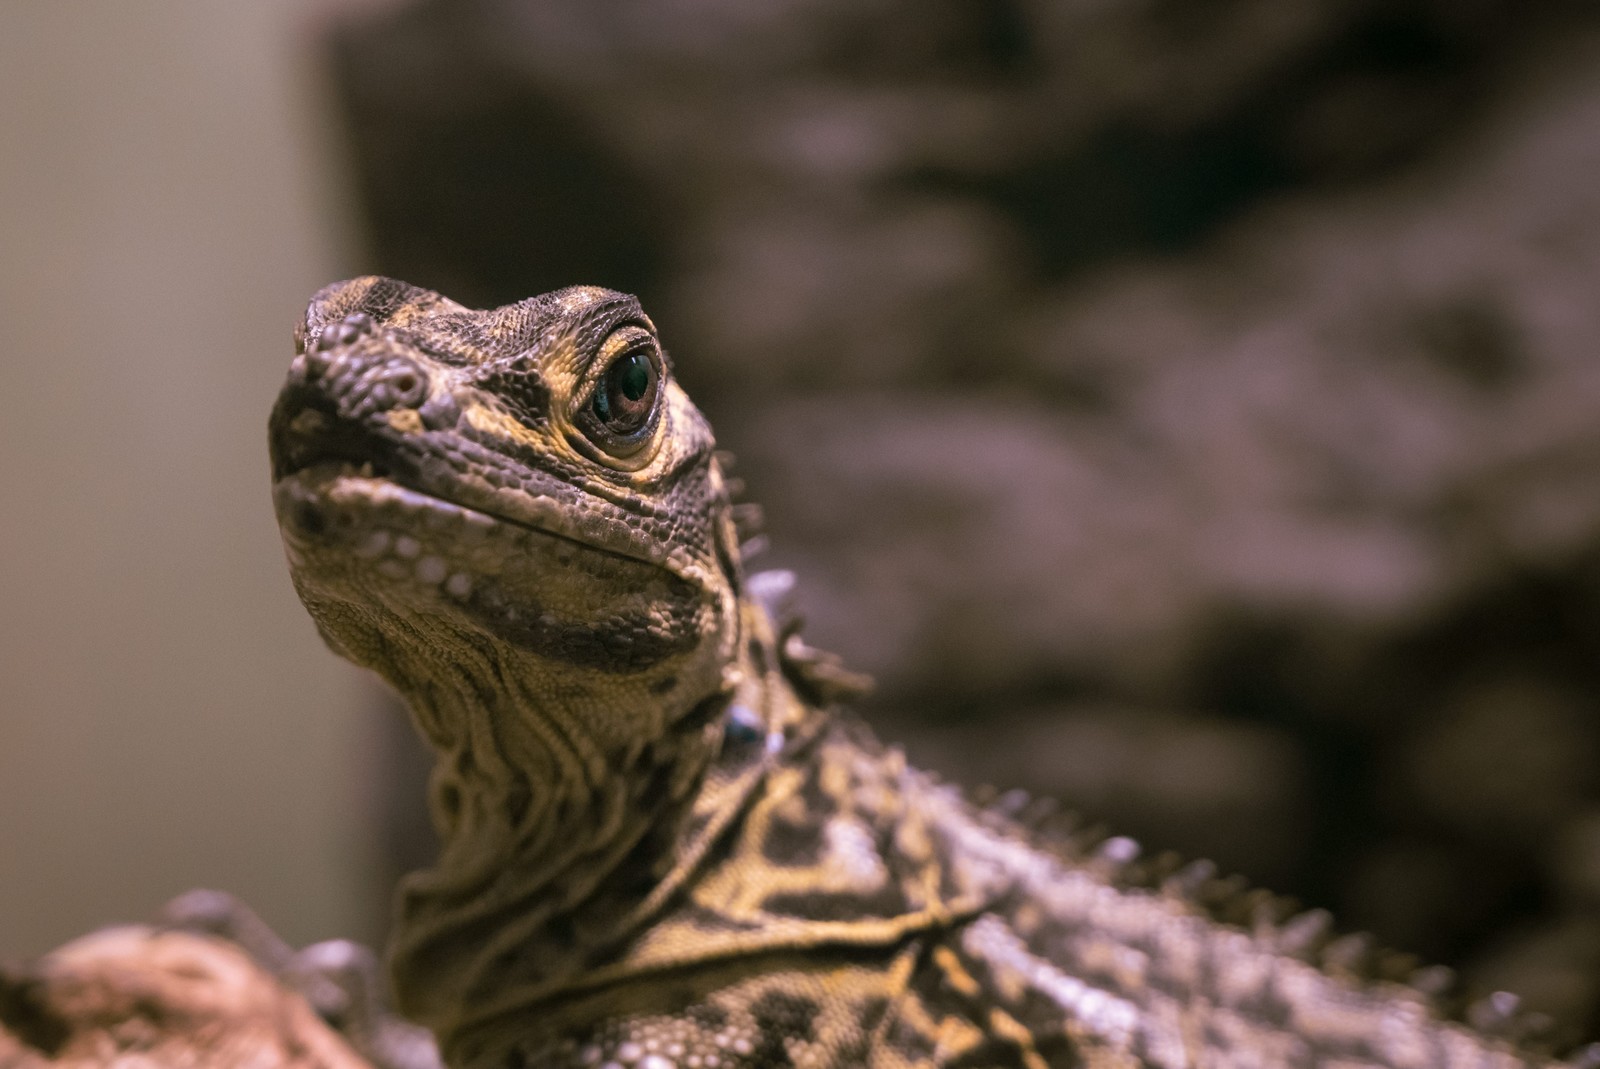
<point x="324" y="496"/>
<point x="329" y="474"/>
<point x="344" y="523"/>
<point x="355" y="518"/>
<point x="306" y="431"/>
<point x="333" y="474"/>
<point x="412" y="515"/>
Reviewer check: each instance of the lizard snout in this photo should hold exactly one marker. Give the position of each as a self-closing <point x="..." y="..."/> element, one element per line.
<point x="350" y="396"/>
<point x="358" y="374"/>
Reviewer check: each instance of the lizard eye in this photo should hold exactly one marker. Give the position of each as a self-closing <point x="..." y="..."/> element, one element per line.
<point x="622" y="411"/>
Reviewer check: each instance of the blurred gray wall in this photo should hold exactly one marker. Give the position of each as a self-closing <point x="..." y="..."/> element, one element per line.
<point x="168" y="717"/>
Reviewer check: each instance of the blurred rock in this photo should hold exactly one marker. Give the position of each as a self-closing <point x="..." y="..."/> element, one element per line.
<point x="1430" y="896"/>
<point x="136" y="996"/>
<point x="1575" y="861"/>
<point x="1351" y="410"/>
<point x="1509" y="760"/>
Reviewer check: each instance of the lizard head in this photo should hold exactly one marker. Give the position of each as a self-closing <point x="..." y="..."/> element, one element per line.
<point x="517" y="500"/>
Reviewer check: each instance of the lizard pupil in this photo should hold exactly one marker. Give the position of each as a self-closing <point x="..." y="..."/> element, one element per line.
<point x="632" y="374"/>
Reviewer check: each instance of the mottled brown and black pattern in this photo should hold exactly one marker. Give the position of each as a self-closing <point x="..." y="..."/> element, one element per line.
<point x="660" y="850"/>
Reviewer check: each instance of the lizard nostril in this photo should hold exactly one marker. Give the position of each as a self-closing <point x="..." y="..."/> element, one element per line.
<point x="403" y="384"/>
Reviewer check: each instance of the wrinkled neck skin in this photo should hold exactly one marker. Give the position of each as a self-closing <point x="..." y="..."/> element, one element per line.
<point x="553" y="836"/>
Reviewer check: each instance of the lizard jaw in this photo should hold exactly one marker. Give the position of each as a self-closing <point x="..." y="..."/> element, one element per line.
<point x="351" y="534"/>
<point x="336" y="492"/>
<point x="332" y="466"/>
<point x="341" y="507"/>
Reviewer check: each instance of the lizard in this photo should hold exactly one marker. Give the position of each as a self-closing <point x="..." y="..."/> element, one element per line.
<point x="666" y="842"/>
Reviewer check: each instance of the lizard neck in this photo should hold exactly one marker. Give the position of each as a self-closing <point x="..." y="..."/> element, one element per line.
<point x="554" y="836"/>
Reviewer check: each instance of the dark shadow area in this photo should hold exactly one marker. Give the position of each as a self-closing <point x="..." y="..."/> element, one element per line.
<point x="504" y="193"/>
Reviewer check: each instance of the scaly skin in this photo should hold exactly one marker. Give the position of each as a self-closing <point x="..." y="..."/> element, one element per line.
<point x="662" y="846"/>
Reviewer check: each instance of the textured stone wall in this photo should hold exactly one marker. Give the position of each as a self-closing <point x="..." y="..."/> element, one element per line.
<point x="1190" y="410"/>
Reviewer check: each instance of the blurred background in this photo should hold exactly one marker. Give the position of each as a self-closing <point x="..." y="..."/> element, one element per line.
<point x="1189" y="410"/>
